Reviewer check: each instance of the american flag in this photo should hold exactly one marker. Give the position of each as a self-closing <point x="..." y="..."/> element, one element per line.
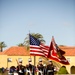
<point x="37" y="48"/>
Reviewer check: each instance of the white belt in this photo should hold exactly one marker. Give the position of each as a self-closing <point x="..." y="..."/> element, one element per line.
<point x="10" y="73"/>
<point x="15" y="73"/>
<point x="50" y="70"/>
<point x="40" y="71"/>
<point x="20" y="71"/>
<point x="29" y="72"/>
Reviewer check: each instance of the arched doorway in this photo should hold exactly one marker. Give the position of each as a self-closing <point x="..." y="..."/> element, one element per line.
<point x="72" y="69"/>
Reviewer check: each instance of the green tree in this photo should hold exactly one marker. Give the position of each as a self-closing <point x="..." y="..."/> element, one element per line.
<point x="36" y="35"/>
<point x="20" y="44"/>
<point x="62" y="70"/>
<point x="2" y="45"/>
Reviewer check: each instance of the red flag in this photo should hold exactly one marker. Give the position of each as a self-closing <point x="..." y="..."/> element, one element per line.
<point x="55" y="53"/>
<point x="56" y="47"/>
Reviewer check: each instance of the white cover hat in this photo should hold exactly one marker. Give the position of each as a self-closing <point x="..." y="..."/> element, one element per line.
<point x="29" y="60"/>
<point x="20" y="60"/>
<point x="40" y="60"/>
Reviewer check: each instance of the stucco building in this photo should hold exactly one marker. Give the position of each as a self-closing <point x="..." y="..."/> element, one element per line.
<point x="16" y="53"/>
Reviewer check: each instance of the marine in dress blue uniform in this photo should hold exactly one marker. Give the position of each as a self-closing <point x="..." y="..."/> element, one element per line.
<point x="40" y="67"/>
<point x="20" y="68"/>
<point x="50" y="68"/>
<point x="30" y="68"/>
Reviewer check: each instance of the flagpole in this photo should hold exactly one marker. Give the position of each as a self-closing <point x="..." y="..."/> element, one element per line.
<point x="34" y="55"/>
<point x="29" y="41"/>
<point x="34" y="60"/>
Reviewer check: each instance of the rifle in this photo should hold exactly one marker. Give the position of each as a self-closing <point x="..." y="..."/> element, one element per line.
<point x="18" y="64"/>
<point x="17" y="61"/>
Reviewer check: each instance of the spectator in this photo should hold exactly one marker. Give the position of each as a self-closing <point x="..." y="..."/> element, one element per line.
<point x="3" y="69"/>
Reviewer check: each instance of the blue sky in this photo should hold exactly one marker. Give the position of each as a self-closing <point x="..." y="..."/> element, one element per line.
<point x="47" y="17"/>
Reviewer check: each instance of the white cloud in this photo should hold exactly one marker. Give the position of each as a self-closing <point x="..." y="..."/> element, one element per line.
<point x="66" y="24"/>
<point x="30" y="23"/>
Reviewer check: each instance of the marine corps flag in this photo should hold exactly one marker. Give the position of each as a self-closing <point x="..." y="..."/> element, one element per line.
<point x="55" y="53"/>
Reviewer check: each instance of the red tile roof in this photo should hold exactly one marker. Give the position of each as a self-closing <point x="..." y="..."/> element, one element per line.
<point x="1" y="53"/>
<point x="22" y="51"/>
<point x="69" y="51"/>
<point x="16" y="51"/>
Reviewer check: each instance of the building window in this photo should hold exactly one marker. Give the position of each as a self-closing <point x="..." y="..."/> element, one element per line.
<point x="9" y="59"/>
<point x="68" y="59"/>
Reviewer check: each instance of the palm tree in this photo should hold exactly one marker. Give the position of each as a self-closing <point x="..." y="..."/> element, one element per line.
<point x="36" y="35"/>
<point x="20" y="44"/>
<point x="2" y="45"/>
